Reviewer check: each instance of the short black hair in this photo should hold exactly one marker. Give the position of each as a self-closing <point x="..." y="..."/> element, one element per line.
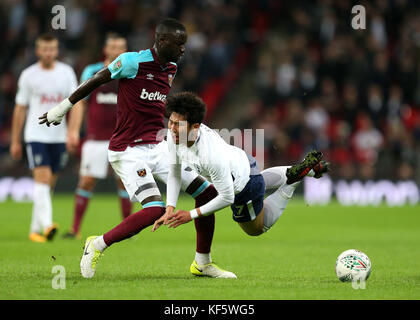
<point x="169" y="25"/>
<point x="187" y="104"/>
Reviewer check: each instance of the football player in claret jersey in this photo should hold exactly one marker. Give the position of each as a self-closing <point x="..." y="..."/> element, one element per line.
<point x="137" y="151"/>
<point x="235" y="175"/>
<point x="40" y="87"/>
<point x="101" y="108"/>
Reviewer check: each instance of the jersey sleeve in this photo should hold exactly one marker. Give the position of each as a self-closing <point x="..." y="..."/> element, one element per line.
<point x="126" y="65"/>
<point x="222" y="180"/>
<point x="173" y="184"/>
<point x="24" y="91"/>
<point x="90" y="70"/>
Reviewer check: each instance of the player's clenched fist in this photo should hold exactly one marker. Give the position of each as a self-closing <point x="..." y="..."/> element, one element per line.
<point x="56" y="114"/>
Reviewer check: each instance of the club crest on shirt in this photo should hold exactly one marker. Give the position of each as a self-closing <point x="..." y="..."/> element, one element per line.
<point x="170" y="79"/>
<point x="141" y="172"/>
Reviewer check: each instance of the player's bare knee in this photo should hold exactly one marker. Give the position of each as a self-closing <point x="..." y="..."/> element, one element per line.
<point x="87" y="183"/>
<point x="42" y="175"/>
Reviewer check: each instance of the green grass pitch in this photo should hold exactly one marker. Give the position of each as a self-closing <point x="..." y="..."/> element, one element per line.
<point x="294" y="260"/>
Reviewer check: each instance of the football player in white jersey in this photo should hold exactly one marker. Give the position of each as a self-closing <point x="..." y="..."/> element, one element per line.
<point x="40" y="87"/>
<point x="234" y="173"/>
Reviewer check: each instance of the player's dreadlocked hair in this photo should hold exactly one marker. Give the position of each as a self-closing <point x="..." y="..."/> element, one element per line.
<point x="187" y="104"/>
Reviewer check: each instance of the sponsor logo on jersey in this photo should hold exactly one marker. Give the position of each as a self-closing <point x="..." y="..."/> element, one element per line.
<point x="106" y="98"/>
<point x="51" y="99"/>
<point x="151" y="96"/>
<point x="141" y="172"/>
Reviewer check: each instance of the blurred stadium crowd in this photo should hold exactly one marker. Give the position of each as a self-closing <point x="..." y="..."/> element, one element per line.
<point x="355" y="94"/>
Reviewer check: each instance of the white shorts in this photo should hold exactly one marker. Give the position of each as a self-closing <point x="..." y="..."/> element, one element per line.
<point x="94" y="161"/>
<point x="139" y="166"/>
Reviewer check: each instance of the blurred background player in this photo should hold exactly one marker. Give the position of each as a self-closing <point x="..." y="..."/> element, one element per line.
<point x="41" y="86"/>
<point x="137" y="151"/>
<point x="101" y="120"/>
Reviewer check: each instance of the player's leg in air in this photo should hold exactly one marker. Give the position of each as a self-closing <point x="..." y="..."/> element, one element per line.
<point x="45" y="160"/>
<point x="138" y="177"/>
<point x="283" y="178"/>
<point x="94" y="165"/>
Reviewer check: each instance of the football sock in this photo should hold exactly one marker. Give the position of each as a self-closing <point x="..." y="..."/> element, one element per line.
<point x="133" y="224"/>
<point x="81" y="201"/>
<point x="35" y="221"/>
<point x="42" y="207"/>
<point x="204" y="226"/>
<point x="99" y="243"/>
<point x="202" y="258"/>
<point x="275" y="204"/>
<point x="288" y="189"/>
<point x="125" y="203"/>
<point x="275" y="177"/>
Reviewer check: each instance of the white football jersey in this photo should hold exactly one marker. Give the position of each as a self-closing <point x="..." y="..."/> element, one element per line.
<point x="226" y="166"/>
<point x="40" y="90"/>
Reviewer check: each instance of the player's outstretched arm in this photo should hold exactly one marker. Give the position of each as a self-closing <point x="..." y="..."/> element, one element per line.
<point x="56" y="114"/>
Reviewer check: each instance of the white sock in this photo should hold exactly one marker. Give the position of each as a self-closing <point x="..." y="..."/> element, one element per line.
<point x="275" y="177"/>
<point x="311" y="173"/>
<point x="35" y="223"/>
<point x="274" y="206"/>
<point x="99" y="243"/>
<point x="202" y="258"/>
<point x="42" y="208"/>
<point x="288" y="189"/>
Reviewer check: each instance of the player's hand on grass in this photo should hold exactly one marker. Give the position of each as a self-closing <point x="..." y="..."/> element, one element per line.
<point x="163" y="219"/>
<point x="16" y="151"/>
<point x="180" y="217"/>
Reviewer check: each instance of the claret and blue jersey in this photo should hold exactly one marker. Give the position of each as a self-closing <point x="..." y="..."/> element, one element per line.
<point x="143" y="87"/>
<point x="102" y="106"/>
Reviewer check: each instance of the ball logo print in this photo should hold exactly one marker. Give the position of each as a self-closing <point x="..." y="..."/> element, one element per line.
<point x="355" y="266"/>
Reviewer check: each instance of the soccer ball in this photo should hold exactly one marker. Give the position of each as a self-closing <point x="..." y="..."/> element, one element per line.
<point x="353" y="265"/>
